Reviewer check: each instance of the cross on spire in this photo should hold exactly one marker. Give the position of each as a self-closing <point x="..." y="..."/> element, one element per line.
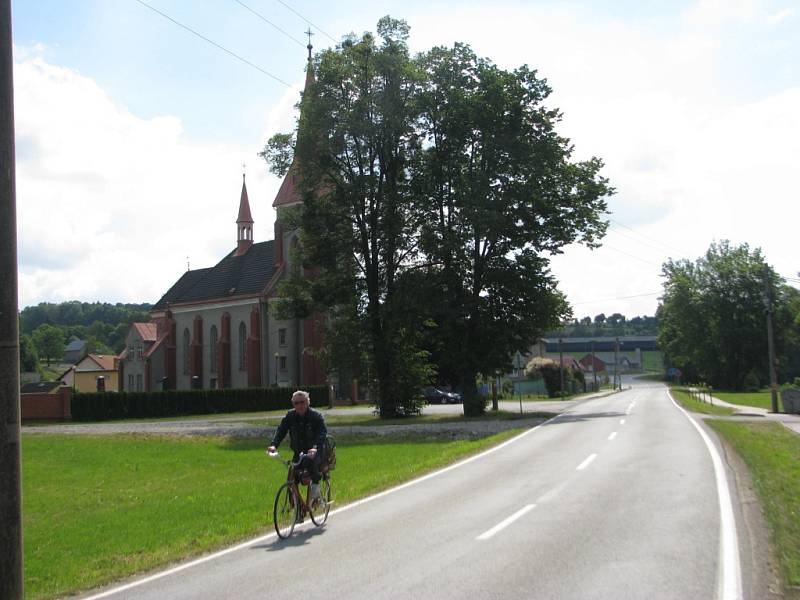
<point x="309" y="33"/>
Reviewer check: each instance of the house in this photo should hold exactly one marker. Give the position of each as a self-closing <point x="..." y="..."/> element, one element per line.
<point x="520" y="359"/>
<point x="593" y="364"/>
<point x="141" y="361"/>
<point x="89" y="371"/>
<point x="605" y="362"/>
<point x="213" y="327"/>
<point x="75" y="351"/>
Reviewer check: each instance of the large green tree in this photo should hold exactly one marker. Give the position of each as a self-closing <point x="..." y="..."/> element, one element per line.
<point x="496" y="194"/>
<point x="435" y="188"/>
<point x="712" y="320"/>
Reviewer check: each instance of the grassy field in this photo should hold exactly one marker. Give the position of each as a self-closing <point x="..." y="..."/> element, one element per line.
<point x="100" y="508"/>
<point x="689" y="403"/>
<point x="759" y="399"/>
<point x="772" y="453"/>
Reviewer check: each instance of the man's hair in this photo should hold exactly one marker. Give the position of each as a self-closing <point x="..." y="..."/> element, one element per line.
<point x="304" y="394"/>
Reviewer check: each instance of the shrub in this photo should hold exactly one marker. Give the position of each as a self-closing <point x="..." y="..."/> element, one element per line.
<point x="103" y="406"/>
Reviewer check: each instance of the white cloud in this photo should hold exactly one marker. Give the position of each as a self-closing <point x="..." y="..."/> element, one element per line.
<point x="718" y="12"/>
<point x="109" y="204"/>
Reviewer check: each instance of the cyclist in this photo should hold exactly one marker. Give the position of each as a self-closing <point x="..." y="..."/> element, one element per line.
<point x="307" y="432"/>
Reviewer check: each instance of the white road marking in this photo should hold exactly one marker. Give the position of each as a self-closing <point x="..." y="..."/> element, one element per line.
<point x="612" y="436"/>
<point x="586" y="462"/>
<point x="505" y="523"/>
<point x="270" y="536"/>
<point x="730" y="577"/>
<point x="622" y="422"/>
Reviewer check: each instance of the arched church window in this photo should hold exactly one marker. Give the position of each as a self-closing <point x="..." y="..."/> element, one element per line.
<point x="213" y="337"/>
<point x="242" y="347"/>
<point x="186" y="345"/>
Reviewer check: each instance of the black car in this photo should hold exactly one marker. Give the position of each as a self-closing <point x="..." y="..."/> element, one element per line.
<point x="434" y="395"/>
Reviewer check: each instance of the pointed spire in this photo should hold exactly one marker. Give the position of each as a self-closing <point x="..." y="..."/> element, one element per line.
<point x="244" y="223"/>
<point x="244" y="205"/>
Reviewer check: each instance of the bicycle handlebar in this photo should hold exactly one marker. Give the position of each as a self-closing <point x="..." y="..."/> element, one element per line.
<point x="277" y="456"/>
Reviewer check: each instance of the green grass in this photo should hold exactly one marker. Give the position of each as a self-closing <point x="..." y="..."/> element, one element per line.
<point x="758" y="399"/>
<point x="100" y="508"/>
<point x="772" y="454"/>
<point x="690" y="404"/>
<point x="653" y="361"/>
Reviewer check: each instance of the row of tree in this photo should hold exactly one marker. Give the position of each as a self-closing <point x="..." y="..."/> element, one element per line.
<point x="712" y="320"/>
<point x="615" y="324"/>
<point x="435" y="189"/>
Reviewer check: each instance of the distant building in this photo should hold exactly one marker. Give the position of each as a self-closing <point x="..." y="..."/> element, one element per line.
<point x="627" y="343"/>
<point x="213" y="328"/>
<point x="75" y="351"/>
<point x="94" y="366"/>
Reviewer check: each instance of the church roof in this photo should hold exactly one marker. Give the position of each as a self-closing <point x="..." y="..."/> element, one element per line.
<point x="233" y="276"/>
<point x="244" y="206"/>
<point x="288" y="193"/>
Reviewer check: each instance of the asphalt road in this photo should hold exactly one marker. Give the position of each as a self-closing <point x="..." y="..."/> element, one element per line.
<point x="616" y="498"/>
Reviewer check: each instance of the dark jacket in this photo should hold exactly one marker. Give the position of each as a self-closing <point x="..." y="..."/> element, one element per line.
<point x="304" y="432"/>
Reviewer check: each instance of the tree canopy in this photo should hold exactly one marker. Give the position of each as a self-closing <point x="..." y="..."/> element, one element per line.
<point x="435" y="189"/>
<point x="712" y="320"/>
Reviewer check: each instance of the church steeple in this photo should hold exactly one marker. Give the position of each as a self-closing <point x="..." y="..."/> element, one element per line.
<point x="244" y="223"/>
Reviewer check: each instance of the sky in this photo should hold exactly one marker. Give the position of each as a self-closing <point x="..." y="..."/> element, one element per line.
<point x="132" y="133"/>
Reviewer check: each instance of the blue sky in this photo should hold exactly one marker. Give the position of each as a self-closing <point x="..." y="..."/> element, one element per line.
<point x="131" y="132"/>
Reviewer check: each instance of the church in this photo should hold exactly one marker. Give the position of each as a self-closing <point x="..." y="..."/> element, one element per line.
<point x="214" y="329"/>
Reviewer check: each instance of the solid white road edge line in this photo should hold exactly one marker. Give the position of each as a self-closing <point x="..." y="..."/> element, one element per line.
<point x="730" y="578"/>
<point x="586" y="462"/>
<point x="263" y="538"/>
<point x="505" y="523"/>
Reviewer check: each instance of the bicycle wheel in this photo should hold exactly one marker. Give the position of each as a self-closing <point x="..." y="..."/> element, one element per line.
<point x="320" y="509"/>
<point x="285" y="511"/>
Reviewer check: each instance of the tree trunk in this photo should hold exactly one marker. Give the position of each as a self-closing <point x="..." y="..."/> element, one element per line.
<point x="474" y="404"/>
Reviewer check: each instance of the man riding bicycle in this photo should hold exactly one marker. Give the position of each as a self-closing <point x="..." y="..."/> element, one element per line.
<point x="307" y="432"/>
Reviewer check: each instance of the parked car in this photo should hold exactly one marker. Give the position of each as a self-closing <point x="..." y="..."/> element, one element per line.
<point x="434" y="395"/>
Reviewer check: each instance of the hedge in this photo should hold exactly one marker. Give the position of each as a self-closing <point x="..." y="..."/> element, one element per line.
<point x="104" y="406"/>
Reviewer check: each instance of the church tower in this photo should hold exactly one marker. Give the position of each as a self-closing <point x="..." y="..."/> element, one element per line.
<point x="244" y="223"/>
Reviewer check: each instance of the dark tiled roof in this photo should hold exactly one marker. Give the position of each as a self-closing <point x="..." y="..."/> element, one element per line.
<point x="75" y="345"/>
<point x="232" y="276"/>
<point x="40" y="387"/>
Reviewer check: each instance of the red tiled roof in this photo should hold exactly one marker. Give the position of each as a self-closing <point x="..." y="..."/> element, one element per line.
<point x="147" y="331"/>
<point x="288" y="192"/>
<point x="104" y="361"/>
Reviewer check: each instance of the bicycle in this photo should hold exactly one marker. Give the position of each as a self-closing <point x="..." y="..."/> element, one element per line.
<point x="290" y="506"/>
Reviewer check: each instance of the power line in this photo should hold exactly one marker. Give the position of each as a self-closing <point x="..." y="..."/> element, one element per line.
<point x="617" y="298"/>
<point x="307" y="21"/>
<point x="663" y="245"/>
<point x="263" y="18"/>
<point x="631" y="255"/>
<point x="213" y="43"/>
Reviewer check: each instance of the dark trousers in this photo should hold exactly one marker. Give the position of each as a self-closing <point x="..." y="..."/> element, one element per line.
<point x="312" y="465"/>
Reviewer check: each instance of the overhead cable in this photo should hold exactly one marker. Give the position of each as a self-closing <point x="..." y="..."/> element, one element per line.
<point x="263" y="18"/>
<point x="213" y="43"/>
<point x="307" y="21"/>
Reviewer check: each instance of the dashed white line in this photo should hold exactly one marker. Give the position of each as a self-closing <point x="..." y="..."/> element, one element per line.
<point x="586" y="462"/>
<point x="622" y="422"/>
<point x="505" y="523"/>
<point x="612" y="436"/>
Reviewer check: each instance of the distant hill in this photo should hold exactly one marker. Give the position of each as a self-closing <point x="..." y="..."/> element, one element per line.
<point x="102" y="323"/>
<point x="611" y="326"/>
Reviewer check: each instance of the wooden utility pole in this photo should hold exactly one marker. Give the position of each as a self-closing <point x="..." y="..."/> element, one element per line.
<point x="594" y="369"/>
<point x="616" y="364"/>
<point x="773" y="378"/>
<point x="10" y="496"/>
<point x="561" y="366"/>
